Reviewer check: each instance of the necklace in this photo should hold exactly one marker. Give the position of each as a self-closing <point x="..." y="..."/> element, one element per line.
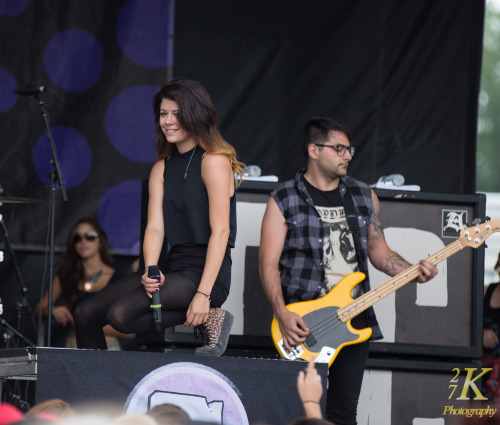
<point x="189" y="163"/>
<point x="90" y="280"/>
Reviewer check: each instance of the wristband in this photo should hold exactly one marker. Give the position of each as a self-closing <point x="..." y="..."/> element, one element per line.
<point x="208" y="296"/>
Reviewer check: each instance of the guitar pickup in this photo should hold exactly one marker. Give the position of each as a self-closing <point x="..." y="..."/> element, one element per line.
<point x="294" y="354"/>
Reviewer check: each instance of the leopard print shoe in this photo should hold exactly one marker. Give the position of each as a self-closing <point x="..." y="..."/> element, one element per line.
<point x="215" y="332"/>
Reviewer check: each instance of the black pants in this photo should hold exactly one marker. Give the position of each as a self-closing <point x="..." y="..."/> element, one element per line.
<point x="345" y="377"/>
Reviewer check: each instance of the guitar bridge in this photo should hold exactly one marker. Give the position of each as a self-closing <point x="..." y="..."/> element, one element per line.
<point x="294" y="354"/>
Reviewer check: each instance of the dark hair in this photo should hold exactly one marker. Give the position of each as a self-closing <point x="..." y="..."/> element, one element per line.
<point x="317" y="130"/>
<point x="197" y="116"/>
<point x="71" y="265"/>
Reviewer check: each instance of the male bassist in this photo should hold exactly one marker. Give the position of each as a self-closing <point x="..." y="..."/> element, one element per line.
<point x="319" y="227"/>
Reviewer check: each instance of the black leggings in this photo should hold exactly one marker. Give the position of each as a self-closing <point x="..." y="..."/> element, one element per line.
<point x="125" y="305"/>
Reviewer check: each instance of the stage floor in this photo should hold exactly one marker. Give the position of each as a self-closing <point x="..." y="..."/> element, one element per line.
<point x="18" y="363"/>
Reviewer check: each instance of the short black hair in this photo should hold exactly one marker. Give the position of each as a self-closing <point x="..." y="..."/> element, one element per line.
<point x="317" y="130"/>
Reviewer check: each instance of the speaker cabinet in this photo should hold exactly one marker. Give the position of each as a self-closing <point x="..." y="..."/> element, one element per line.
<point x="440" y="318"/>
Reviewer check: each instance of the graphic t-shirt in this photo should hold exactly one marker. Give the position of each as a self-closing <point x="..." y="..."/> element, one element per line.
<point x="339" y="253"/>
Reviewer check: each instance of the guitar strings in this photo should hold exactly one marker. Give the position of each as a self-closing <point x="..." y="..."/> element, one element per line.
<point x="371" y="297"/>
<point x="359" y="305"/>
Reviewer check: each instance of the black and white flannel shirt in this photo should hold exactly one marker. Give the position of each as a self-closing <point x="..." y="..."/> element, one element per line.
<point x="301" y="263"/>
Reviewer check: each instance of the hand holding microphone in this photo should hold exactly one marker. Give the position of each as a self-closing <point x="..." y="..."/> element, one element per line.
<point x="154" y="273"/>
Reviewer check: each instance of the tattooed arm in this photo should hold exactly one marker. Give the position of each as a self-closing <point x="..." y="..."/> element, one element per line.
<point x="382" y="257"/>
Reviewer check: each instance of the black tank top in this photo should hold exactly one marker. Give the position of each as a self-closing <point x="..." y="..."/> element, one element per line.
<point x="185" y="201"/>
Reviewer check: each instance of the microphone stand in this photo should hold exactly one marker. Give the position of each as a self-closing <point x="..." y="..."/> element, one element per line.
<point x="55" y="176"/>
<point x="23" y="306"/>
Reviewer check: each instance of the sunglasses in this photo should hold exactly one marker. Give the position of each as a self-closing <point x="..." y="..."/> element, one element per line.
<point x="89" y="236"/>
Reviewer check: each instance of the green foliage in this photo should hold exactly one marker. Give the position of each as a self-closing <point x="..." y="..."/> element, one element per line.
<point x="488" y="139"/>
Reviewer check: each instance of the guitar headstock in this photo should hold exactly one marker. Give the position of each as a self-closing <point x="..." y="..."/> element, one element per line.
<point x="475" y="235"/>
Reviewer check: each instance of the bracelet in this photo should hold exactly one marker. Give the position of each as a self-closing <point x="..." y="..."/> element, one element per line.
<point x="208" y="296"/>
<point x="310" y="401"/>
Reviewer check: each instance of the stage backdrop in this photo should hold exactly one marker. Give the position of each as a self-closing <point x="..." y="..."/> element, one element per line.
<point x="404" y="76"/>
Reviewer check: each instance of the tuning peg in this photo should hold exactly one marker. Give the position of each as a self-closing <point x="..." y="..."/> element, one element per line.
<point x="476" y="221"/>
<point x="487" y="218"/>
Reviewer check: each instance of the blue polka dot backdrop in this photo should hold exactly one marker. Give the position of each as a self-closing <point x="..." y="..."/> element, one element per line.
<point x="82" y="64"/>
<point x="117" y="214"/>
<point x="130" y="137"/>
<point x="99" y="64"/>
<point x="73" y="152"/>
<point x="148" y="27"/>
<point x="13" y="8"/>
<point x="7" y="85"/>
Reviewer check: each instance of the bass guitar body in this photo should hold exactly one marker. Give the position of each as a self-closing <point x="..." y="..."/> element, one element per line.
<point x="327" y="332"/>
<point x="329" y="318"/>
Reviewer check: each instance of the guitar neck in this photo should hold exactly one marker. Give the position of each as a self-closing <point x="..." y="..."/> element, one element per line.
<point x="371" y="297"/>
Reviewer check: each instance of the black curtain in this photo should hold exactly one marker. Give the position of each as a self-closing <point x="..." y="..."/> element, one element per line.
<point x="404" y="76"/>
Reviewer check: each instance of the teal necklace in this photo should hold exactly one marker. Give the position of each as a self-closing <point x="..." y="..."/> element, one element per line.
<point x="89" y="281"/>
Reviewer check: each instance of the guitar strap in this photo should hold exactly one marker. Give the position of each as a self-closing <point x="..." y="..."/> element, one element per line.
<point x="352" y="221"/>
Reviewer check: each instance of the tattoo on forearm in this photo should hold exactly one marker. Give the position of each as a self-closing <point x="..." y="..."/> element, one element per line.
<point x="394" y="264"/>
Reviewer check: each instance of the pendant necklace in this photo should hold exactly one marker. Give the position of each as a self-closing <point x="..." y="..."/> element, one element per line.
<point x="189" y="163"/>
<point x="90" y="280"/>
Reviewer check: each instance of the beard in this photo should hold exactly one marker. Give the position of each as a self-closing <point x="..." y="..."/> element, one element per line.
<point x="332" y="172"/>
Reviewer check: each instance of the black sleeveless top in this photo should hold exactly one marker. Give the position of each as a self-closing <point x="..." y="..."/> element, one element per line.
<point x="185" y="201"/>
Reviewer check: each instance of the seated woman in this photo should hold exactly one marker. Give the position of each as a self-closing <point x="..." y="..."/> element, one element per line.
<point x="192" y="206"/>
<point x="85" y="268"/>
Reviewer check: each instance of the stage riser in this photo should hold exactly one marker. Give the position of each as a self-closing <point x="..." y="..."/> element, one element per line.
<point x="394" y="392"/>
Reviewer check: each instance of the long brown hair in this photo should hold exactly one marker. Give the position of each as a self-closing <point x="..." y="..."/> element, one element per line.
<point x="197" y="116"/>
<point x="71" y="265"/>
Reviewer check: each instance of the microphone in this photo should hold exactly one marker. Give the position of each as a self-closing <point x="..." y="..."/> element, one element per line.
<point x="392" y="179"/>
<point x="154" y="273"/>
<point x="30" y="90"/>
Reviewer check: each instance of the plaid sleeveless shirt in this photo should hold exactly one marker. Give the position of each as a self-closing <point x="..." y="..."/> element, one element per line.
<point x="301" y="263"/>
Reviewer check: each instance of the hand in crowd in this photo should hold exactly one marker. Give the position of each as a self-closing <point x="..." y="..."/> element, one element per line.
<point x="490" y="338"/>
<point x="310" y="390"/>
